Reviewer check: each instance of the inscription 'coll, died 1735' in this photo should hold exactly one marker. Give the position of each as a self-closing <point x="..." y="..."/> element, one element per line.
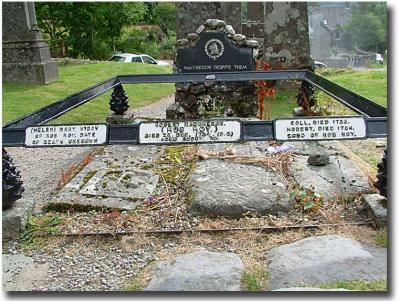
<point x="193" y="131"/>
<point x="320" y="128"/>
<point x="66" y="135"/>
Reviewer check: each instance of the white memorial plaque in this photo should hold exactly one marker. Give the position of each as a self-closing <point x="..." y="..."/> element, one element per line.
<point x="193" y="131"/>
<point x="324" y="128"/>
<point x="66" y="135"/>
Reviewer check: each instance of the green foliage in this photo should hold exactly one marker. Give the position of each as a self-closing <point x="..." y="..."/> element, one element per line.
<point x="381" y="238"/>
<point x="306" y="198"/>
<point x="368" y="27"/>
<point x="86" y="29"/>
<point x="39" y="225"/>
<point x="162" y="14"/>
<point x="254" y="281"/>
<point x="358" y="285"/>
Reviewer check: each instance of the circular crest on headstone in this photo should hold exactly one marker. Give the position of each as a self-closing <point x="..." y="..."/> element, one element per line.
<point x="214" y="48"/>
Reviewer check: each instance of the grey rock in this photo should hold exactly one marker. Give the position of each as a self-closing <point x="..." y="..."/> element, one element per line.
<point x="318" y="160"/>
<point x="200" y="29"/>
<point x="213" y="24"/>
<point x="14" y="219"/>
<point x="376" y="206"/>
<point x="230" y="30"/>
<point x="299" y="112"/>
<point x="340" y="177"/>
<point x="192" y="36"/>
<point x="182" y="43"/>
<point x="252" y="43"/>
<point x="325" y="259"/>
<point x="198" y="271"/>
<point x="221" y="188"/>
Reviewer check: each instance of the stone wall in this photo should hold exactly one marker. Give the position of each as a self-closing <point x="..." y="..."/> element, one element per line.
<point x="215" y="99"/>
<point x="190" y="14"/>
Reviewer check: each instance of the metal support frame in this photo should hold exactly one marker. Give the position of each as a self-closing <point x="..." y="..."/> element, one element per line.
<point x="375" y="115"/>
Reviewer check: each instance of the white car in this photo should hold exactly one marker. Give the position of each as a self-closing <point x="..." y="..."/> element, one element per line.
<point x="136" y="58"/>
<point x="379" y="58"/>
<point x="320" y="65"/>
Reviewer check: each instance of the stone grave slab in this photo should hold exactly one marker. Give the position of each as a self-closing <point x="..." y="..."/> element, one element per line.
<point x="117" y="179"/>
<point x="222" y="188"/>
<point x="324" y="259"/>
<point x="338" y="178"/>
<point x="198" y="271"/>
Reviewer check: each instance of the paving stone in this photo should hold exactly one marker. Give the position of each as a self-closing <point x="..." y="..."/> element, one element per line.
<point x="324" y="259"/>
<point x="222" y="188"/>
<point x="376" y="205"/>
<point x="340" y="177"/>
<point x="198" y="271"/>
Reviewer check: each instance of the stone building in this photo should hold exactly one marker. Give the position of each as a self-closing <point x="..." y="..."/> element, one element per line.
<point x="326" y="23"/>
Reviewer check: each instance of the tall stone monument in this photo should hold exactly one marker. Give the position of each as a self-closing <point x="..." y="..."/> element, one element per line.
<point x="286" y="39"/>
<point x="26" y="57"/>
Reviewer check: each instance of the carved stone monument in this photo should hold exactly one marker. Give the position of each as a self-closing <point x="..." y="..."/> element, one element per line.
<point x="26" y="57"/>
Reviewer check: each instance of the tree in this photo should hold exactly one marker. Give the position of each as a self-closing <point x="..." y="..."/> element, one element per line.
<point x="88" y="28"/>
<point x="368" y="27"/>
<point x="162" y="14"/>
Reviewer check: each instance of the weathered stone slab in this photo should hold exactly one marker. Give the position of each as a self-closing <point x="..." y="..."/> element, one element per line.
<point x="325" y="259"/>
<point x="198" y="271"/>
<point x="221" y="188"/>
<point x="20" y="273"/>
<point x="309" y="289"/>
<point x="14" y="219"/>
<point x="340" y="177"/>
<point x="376" y="205"/>
<point x="118" y="179"/>
<point x="249" y="149"/>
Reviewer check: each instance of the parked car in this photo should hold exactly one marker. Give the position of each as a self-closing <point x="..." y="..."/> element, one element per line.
<point x="320" y="65"/>
<point x="379" y="58"/>
<point x="136" y="58"/>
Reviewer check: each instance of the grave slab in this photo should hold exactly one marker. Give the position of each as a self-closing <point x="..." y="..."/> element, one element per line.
<point x="324" y="259"/>
<point x="198" y="271"/>
<point x="222" y="188"/>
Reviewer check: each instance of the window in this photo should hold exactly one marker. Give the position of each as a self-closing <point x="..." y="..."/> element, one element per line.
<point x="117" y="58"/>
<point x="136" y="59"/>
<point x="148" y="60"/>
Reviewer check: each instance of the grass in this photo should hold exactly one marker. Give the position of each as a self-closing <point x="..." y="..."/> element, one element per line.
<point x="371" y="84"/>
<point x="358" y="285"/>
<point x="255" y="281"/>
<point x="380" y="238"/>
<point x="21" y="99"/>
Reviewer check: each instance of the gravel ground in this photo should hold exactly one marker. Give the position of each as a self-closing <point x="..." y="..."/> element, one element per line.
<point x="79" y="264"/>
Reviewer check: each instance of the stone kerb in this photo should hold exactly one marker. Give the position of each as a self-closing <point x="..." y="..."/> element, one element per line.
<point x="216" y="99"/>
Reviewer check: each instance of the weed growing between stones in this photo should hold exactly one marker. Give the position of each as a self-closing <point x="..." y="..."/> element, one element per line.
<point x="255" y="280"/>
<point x="380" y="238"/>
<point x="358" y="285"/>
<point x="39" y="225"/>
<point x="306" y="199"/>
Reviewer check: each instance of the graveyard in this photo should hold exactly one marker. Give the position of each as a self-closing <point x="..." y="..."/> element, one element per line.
<point x="180" y="179"/>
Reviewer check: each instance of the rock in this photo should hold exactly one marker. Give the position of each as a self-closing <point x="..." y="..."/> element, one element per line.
<point x="340" y="177"/>
<point x="325" y="259"/>
<point x="239" y="37"/>
<point x="230" y="30"/>
<point x="200" y="29"/>
<point x="213" y="24"/>
<point x="14" y="219"/>
<point x="252" y="43"/>
<point x="299" y="112"/>
<point x="182" y="43"/>
<point x="376" y="206"/>
<point x="318" y="160"/>
<point x="221" y="188"/>
<point x="198" y="271"/>
<point x="192" y="36"/>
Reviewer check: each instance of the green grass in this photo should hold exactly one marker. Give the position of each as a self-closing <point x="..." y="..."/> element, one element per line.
<point x="358" y="285"/>
<point x="254" y="281"/>
<point x="381" y="238"/>
<point x="21" y="99"/>
<point x="371" y="84"/>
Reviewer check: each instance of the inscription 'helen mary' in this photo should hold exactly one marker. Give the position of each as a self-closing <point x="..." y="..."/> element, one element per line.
<point x="66" y="135"/>
<point x="193" y="131"/>
<point x="320" y="128"/>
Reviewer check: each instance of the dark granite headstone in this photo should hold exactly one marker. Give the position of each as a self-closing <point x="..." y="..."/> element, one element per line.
<point x="26" y="57"/>
<point x="214" y="52"/>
